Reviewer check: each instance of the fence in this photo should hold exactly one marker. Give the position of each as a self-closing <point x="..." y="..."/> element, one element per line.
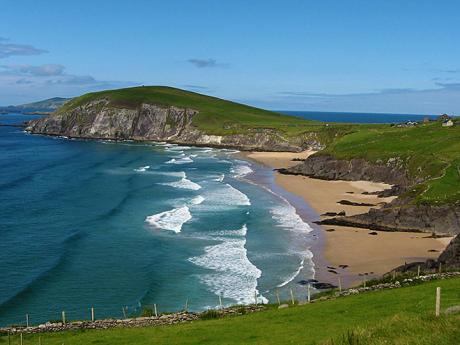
<point x="441" y="300"/>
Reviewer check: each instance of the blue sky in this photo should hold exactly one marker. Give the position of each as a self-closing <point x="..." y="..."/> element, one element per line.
<point x="366" y="56"/>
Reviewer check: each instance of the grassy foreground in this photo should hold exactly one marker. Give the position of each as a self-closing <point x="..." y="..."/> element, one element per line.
<point x="399" y="316"/>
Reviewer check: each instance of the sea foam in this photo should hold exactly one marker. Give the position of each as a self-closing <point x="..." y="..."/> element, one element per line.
<point x="184" y="160"/>
<point x="241" y="170"/>
<point x="234" y="276"/>
<point x="142" y="169"/>
<point x="287" y="218"/>
<point x="172" y="220"/>
<point x="225" y="195"/>
<point x="183" y="183"/>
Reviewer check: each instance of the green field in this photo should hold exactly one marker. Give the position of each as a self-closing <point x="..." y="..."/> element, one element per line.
<point x="399" y="316"/>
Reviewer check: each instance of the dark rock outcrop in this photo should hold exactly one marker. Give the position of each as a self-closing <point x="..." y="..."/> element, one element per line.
<point x="329" y="168"/>
<point x="450" y="257"/>
<point x="402" y="214"/>
<point x="398" y="216"/>
<point x="100" y="119"/>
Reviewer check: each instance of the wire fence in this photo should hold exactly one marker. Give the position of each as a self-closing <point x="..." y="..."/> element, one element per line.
<point x="440" y="300"/>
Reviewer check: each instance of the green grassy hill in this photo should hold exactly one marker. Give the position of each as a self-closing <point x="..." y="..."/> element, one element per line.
<point x="428" y="151"/>
<point x="399" y="316"/>
<point x="216" y="116"/>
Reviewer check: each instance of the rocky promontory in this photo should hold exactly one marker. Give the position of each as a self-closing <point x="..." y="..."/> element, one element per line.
<point x="102" y="119"/>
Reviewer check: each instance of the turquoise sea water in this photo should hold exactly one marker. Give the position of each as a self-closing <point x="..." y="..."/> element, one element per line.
<point x="112" y="225"/>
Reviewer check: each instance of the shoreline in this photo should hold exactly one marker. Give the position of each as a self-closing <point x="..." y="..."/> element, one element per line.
<point x="353" y="254"/>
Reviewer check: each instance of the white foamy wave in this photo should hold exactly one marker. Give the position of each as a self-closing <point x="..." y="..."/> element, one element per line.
<point x="305" y="256"/>
<point x="184" y="160"/>
<point x="172" y="220"/>
<point x="237" y="196"/>
<point x="226" y="195"/>
<point x="220" y="178"/>
<point x="172" y="173"/>
<point x="197" y="200"/>
<point x="235" y="276"/>
<point x="141" y="169"/>
<point x="241" y="170"/>
<point x="288" y="219"/>
<point x="178" y="148"/>
<point x="183" y="183"/>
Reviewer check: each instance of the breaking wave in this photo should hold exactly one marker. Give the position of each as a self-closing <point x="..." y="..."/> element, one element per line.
<point x="172" y="220"/>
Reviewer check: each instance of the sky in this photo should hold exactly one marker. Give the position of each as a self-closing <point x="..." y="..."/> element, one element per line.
<point x="388" y="56"/>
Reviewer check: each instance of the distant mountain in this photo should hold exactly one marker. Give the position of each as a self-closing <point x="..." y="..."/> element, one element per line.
<point x="45" y="106"/>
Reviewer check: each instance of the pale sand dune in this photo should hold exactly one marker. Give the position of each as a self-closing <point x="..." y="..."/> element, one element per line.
<point x="362" y="252"/>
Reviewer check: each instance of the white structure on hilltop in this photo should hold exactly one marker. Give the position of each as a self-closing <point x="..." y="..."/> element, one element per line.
<point x="448" y="123"/>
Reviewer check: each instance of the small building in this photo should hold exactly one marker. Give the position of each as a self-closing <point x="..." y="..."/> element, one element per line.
<point x="448" y="123"/>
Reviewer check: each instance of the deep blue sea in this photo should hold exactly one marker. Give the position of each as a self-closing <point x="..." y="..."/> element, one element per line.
<point x="357" y="117"/>
<point x="123" y="224"/>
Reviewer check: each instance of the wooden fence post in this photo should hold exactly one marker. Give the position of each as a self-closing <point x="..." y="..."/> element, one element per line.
<point x="255" y="296"/>
<point x="39" y="340"/>
<point x="155" y="308"/>
<point x="418" y="271"/>
<point x="220" y="302"/>
<point x="292" y="297"/>
<point x="124" y="312"/>
<point x="340" y="284"/>
<point x="92" y="314"/>
<point x="278" y="297"/>
<point x="21" y="340"/>
<point x="27" y="320"/>
<point x="438" y="301"/>
<point x="440" y="267"/>
<point x="63" y="317"/>
<point x="394" y="274"/>
<point x="186" y="305"/>
<point x="308" y="293"/>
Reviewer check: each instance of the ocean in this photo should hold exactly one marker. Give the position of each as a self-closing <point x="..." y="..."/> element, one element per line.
<point x="357" y="117"/>
<point x="124" y="225"/>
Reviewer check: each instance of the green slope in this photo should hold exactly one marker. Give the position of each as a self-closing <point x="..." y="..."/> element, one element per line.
<point x="399" y="316"/>
<point x="216" y="116"/>
<point x="429" y="152"/>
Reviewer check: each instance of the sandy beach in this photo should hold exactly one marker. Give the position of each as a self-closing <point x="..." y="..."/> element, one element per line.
<point x="350" y="253"/>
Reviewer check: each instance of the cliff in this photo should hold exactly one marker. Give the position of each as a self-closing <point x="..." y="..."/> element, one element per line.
<point x="158" y="118"/>
<point x="402" y="214"/>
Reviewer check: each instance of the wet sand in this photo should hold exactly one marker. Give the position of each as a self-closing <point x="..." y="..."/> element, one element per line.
<point x="361" y="252"/>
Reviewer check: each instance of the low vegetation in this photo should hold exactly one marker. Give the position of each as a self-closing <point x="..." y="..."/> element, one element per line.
<point x="429" y="152"/>
<point x="398" y="316"/>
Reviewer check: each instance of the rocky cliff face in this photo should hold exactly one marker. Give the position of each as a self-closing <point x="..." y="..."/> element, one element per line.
<point x="450" y="257"/>
<point x="396" y="216"/>
<point x="329" y="168"/>
<point x="400" y="215"/>
<point x="101" y="120"/>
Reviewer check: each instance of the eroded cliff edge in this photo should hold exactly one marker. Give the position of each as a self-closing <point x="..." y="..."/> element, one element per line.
<point x="100" y="119"/>
<point x="402" y="214"/>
